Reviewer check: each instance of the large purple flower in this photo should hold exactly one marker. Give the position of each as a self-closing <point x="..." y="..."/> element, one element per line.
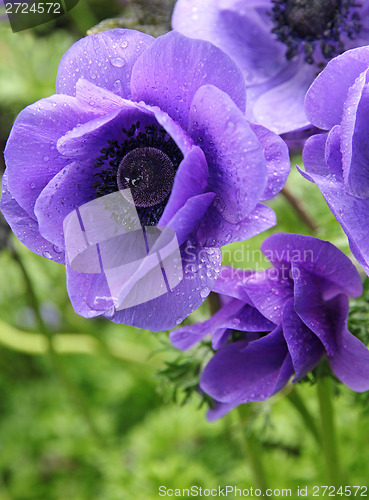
<point x="280" y="322"/>
<point x="162" y="119"/>
<point x="337" y="161"/>
<point x="279" y="45"/>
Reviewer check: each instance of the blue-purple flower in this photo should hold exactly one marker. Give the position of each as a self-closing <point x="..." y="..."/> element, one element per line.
<point x="337" y="161"/>
<point x="279" y="45"/>
<point x="280" y="322"/>
<point x="163" y="119"/>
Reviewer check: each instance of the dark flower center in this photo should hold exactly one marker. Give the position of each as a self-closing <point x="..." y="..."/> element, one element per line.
<point x="148" y="173"/>
<point x="304" y="25"/>
<point x="146" y="163"/>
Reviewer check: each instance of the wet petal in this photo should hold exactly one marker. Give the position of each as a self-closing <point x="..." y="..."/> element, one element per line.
<point x="233" y="153"/>
<point x="171" y="71"/>
<point x="105" y="59"/>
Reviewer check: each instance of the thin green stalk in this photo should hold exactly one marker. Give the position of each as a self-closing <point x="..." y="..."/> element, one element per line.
<point x="295" y="399"/>
<point x="324" y="387"/>
<point x="300" y="209"/>
<point x="74" y="392"/>
<point x="252" y="450"/>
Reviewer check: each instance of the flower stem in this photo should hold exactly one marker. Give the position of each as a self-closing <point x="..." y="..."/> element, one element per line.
<point x="324" y="387"/>
<point x="251" y="450"/>
<point x="73" y="391"/>
<point x="295" y="399"/>
<point x="300" y="209"/>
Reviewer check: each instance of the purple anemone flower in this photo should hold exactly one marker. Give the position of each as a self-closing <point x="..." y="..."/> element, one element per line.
<point x="337" y="161"/>
<point x="280" y="46"/>
<point x="148" y="129"/>
<point x="280" y="322"/>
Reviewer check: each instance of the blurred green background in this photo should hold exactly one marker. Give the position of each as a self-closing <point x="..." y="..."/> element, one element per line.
<point x="92" y="410"/>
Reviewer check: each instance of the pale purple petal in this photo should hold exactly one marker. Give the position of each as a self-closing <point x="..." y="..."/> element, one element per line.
<point x="237" y="166"/>
<point x="323" y="107"/>
<point x="313" y="155"/>
<point x="69" y="189"/>
<point x="31" y="156"/>
<point x="354" y="139"/>
<point x="239" y="29"/>
<point x="26" y="227"/>
<point x="277" y="158"/>
<point x="214" y="230"/>
<point x="352" y="213"/>
<point x="185" y="220"/>
<point x="105" y="59"/>
<point x="190" y="180"/>
<point x="281" y="107"/>
<point x="171" y="71"/>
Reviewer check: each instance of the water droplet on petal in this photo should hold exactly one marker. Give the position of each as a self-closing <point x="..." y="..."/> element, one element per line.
<point x="47" y="255"/>
<point x="117" y="62"/>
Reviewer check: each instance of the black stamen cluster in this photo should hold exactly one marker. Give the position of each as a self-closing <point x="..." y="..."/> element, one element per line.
<point x="112" y="155"/>
<point x="305" y="24"/>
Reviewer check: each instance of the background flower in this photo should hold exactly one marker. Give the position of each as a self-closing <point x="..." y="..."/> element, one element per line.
<point x="122" y="94"/>
<point x="338" y="102"/>
<point x="286" y="318"/>
<point x="280" y="46"/>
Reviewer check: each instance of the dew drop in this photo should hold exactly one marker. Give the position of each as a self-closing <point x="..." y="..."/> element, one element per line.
<point x="117" y="62"/>
<point x="204" y="292"/>
<point x="47" y="255"/>
<point x="57" y="249"/>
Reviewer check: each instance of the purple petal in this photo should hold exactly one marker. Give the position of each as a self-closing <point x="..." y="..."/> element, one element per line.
<point x="323" y="107"/>
<point x="105" y="59"/>
<point x="214" y="230"/>
<point x="219" y="410"/>
<point x="85" y="141"/>
<point x="269" y="290"/>
<point x="69" y="189"/>
<point x="167" y="311"/>
<point x="351" y="212"/>
<point x="90" y="294"/>
<point x="233" y="153"/>
<point x="354" y="139"/>
<point x="350" y="362"/>
<point x="277" y="158"/>
<point x="304" y="347"/>
<point x="26" y="228"/>
<point x="30" y="154"/>
<point x="190" y="180"/>
<point x="231" y="283"/>
<point x="333" y="154"/>
<point x="170" y="72"/>
<point x="319" y="257"/>
<point x="188" y="217"/>
<point x="313" y="155"/>
<point x="281" y="107"/>
<point x="186" y="337"/>
<point x="243" y="372"/>
<point x="241" y="31"/>
<point x="324" y="317"/>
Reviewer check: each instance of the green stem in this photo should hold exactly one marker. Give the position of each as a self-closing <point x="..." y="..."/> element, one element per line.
<point x="295" y="399"/>
<point x="74" y="392"/>
<point x="251" y="450"/>
<point x="300" y="209"/>
<point x="324" y="386"/>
